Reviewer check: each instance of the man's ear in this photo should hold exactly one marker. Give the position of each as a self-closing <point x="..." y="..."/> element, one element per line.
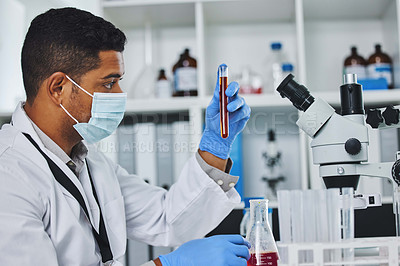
<point x="56" y="87"/>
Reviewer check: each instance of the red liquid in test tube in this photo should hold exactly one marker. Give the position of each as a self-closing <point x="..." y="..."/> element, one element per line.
<point x="223" y="100"/>
<point x="264" y="259"/>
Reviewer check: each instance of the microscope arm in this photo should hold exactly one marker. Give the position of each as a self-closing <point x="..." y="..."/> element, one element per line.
<point x="381" y="170"/>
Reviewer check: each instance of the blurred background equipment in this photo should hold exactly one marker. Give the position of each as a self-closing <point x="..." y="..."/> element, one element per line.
<point x="143" y="86"/>
<point x="273" y="166"/>
<point x="249" y="81"/>
<point x="185" y="75"/>
<point x="163" y="86"/>
<point x="355" y="64"/>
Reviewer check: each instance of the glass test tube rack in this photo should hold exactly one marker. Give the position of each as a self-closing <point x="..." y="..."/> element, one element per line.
<point x="368" y="251"/>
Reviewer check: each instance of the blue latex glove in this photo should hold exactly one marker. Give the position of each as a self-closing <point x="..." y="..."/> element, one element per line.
<point x="221" y="250"/>
<point x="239" y="114"/>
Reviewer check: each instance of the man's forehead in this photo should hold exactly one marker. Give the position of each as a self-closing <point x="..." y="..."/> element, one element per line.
<point x="111" y="63"/>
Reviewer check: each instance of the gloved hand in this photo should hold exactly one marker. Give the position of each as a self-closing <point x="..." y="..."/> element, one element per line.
<point x="239" y="114"/>
<point x="221" y="250"/>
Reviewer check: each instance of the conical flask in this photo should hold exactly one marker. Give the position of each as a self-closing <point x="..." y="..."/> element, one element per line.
<point x="144" y="84"/>
<point x="263" y="251"/>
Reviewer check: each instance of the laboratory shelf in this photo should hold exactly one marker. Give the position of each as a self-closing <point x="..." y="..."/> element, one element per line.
<point x="371" y="97"/>
<point x="134" y="14"/>
<point x="378" y="97"/>
<point x="344" y="9"/>
<point x="257" y="11"/>
<point x="165" y="105"/>
<point x="126" y="3"/>
<point x="176" y="104"/>
<point x="266" y="100"/>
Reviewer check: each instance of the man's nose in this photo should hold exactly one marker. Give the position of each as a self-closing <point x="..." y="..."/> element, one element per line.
<point x="118" y="89"/>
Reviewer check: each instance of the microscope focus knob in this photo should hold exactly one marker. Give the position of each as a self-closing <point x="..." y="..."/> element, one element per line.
<point x="374" y="117"/>
<point x="352" y="146"/>
<point x="396" y="172"/>
<point x="391" y="115"/>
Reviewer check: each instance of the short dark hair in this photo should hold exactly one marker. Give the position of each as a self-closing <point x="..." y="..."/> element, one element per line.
<point x="67" y="40"/>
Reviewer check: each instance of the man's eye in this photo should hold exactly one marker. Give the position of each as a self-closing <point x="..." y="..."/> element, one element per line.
<point x="109" y="85"/>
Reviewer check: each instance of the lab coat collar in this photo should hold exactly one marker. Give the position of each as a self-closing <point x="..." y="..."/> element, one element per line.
<point x="21" y="122"/>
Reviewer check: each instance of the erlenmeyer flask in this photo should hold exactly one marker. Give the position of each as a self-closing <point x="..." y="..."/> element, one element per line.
<point x="263" y="251"/>
<point x="143" y="86"/>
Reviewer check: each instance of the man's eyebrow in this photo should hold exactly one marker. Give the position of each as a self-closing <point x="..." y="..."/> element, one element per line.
<point x="116" y="75"/>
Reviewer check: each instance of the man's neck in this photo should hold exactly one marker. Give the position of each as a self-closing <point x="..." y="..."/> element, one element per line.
<point x="52" y="129"/>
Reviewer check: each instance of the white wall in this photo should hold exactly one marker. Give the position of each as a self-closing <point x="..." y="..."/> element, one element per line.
<point x="12" y="25"/>
<point x="15" y="18"/>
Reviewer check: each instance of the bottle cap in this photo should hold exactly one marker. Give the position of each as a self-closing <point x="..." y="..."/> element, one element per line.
<point x="247" y="201"/>
<point x="287" y="67"/>
<point x="276" y="46"/>
<point x="271" y="135"/>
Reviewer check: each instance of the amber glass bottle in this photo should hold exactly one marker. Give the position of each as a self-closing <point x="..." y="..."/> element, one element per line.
<point x="163" y="86"/>
<point x="177" y="64"/>
<point x="380" y="66"/>
<point x="185" y="75"/>
<point x="355" y="64"/>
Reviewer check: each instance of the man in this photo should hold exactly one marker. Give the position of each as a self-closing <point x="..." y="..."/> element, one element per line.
<point x="62" y="202"/>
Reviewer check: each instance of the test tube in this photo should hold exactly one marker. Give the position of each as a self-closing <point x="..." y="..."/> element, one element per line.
<point x="310" y="232"/>
<point x="322" y="215"/>
<point x="348" y="220"/>
<point x="285" y="231"/>
<point x="334" y="222"/>
<point x="320" y="198"/>
<point x="223" y="100"/>
<point x="297" y="219"/>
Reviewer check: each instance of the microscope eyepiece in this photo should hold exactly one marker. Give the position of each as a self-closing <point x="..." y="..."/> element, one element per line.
<point x="351" y="96"/>
<point x="296" y="93"/>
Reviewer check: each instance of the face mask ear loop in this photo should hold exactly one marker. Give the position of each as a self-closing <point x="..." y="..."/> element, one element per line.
<point x="76" y="84"/>
<point x="65" y="110"/>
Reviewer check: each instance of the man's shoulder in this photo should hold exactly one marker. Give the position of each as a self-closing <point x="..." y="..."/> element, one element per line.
<point x="18" y="165"/>
<point x="8" y="134"/>
<point x="15" y="155"/>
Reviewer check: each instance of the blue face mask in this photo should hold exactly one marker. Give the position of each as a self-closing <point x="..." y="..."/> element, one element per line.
<point x="107" y="112"/>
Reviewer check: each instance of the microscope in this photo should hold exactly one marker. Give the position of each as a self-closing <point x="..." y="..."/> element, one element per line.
<point x="340" y="141"/>
<point x="273" y="165"/>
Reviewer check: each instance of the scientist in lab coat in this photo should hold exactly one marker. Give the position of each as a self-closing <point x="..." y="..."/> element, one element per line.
<point x="64" y="203"/>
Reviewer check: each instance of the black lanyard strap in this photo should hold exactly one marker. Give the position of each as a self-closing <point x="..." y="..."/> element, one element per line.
<point x="63" y="179"/>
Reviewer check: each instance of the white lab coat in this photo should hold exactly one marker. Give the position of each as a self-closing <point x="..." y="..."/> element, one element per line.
<point x="42" y="224"/>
